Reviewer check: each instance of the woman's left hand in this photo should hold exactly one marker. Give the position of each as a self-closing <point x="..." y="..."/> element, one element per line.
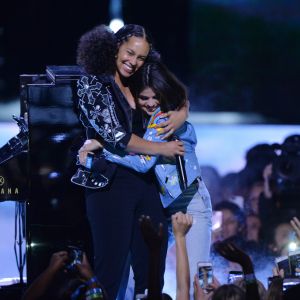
<point x="175" y="119"/>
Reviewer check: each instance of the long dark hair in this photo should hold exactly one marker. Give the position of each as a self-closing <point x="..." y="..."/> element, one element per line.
<point x="97" y="48"/>
<point x="170" y="92"/>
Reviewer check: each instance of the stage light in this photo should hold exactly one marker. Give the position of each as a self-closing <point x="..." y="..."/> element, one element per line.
<point x="59" y="137"/>
<point x="53" y="175"/>
<point x="293" y="246"/>
<point x="116" y="24"/>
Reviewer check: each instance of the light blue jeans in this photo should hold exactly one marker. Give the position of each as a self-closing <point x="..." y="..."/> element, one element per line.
<point x="196" y="202"/>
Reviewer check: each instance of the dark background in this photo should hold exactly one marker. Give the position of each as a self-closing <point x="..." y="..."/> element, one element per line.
<point x="241" y="56"/>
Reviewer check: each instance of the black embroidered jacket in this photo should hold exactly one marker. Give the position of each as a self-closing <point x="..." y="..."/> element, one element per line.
<point x="104" y="111"/>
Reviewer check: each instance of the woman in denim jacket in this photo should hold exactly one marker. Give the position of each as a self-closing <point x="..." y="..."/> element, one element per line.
<point x="160" y="91"/>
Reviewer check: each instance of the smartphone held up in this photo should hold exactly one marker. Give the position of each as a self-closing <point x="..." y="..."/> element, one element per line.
<point x="205" y="275"/>
<point x="234" y="275"/>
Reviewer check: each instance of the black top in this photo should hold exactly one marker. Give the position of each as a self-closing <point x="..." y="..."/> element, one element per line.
<point x="138" y="122"/>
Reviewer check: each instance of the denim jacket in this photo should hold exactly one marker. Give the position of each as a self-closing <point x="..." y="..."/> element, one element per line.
<point x="166" y="172"/>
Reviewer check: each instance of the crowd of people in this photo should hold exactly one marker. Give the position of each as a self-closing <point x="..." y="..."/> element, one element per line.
<point x="140" y="196"/>
<point x="59" y="281"/>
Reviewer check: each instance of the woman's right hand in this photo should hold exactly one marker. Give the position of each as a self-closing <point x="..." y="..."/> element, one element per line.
<point x="181" y="224"/>
<point x="90" y="146"/>
<point x="170" y="149"/>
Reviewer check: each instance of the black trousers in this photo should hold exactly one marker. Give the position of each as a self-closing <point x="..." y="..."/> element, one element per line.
<point x="113" y="213"/>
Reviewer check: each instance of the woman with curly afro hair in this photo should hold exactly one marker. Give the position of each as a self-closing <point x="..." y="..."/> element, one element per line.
<point x="112" y="119"/>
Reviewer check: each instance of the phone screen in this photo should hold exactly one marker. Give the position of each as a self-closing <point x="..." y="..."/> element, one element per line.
<point x="234" y="275"/>
<point x="289" y="282"/>
<point x="294" y="259"/>
<point x="282" y="263"/>
<point x="89" y="160"/>
<point x="205" y="274"/>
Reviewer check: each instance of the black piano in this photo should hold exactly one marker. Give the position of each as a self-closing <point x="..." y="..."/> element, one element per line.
<point x="37" y="164"/>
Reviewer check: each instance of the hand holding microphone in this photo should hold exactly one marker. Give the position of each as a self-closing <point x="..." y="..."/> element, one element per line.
<point x="180" y="165"/>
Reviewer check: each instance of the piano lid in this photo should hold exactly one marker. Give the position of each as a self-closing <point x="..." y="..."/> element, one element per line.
<point x="64" y="74"/>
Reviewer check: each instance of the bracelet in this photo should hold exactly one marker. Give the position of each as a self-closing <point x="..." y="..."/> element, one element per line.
<point x="249" y="278"/>
<point x="93" y="293"/>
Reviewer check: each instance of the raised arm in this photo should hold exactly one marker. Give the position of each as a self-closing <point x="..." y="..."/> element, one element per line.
<point x="39" y="287"/>
<point x="234" y="254"/>
<point x="154" y="240"/>
<point x="181" y="223"/>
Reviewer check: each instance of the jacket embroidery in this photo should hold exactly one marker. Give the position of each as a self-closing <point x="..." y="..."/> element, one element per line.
<point x="98" y="109"/>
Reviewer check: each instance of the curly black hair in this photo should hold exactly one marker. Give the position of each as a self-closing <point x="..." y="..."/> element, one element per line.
<point x="97" y="48"/>
<point x="96" y="51"/>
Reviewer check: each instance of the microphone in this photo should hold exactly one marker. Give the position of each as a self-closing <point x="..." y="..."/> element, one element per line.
<point x="180" y="166"/>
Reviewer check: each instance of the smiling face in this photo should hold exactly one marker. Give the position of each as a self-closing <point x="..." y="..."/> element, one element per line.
<point x="131" y="56"/>
<point x="148" y="101"/>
